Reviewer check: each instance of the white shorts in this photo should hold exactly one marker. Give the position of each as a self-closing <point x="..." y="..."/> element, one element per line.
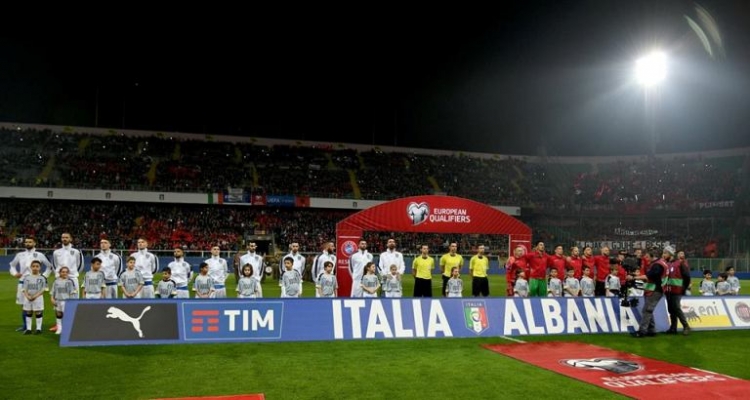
<point x="182" y="294"/>
<point x="284" y="295"/>
<point x="34" y="305"/>
<point x="393" y="294"/>
<point x="147" y="292"/>
<point x="93" y="295"/>
<point x="110" y="292"/>
<point x="219" y="293"/>
<point x="239" y="296"/>
<point x="454" y="295"/>
<point x="60" y="306"/>
<point x="365" y="294"/>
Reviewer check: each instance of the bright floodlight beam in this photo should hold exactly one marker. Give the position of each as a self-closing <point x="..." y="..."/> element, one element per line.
<point x="651" y="69"/>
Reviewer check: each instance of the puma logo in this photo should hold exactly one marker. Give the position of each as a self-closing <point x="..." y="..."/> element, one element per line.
<point x="114" y="312"/>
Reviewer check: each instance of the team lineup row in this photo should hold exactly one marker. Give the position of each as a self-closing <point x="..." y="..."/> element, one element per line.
<point x="105" y="275"/>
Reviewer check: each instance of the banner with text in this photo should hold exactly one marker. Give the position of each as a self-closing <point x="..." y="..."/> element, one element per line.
<point x="124" y="322"/>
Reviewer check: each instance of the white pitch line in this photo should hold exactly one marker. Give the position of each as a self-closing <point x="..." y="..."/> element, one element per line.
<point x="512" y="339"/>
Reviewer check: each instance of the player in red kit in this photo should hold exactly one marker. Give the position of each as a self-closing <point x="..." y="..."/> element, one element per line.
<point x="621" y="272"/>
<point x="538" y="261"/>
<point x="515" y="263"/>
<point x="588" y="259"/>
<point x="601" y="270"/>
<point x="576" y="262"/>
<point x="557" y="261"/>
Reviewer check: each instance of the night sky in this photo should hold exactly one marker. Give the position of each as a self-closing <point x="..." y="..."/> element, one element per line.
<point x="513" y="79"/>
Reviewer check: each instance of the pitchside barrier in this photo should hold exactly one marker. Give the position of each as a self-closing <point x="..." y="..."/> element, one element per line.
<point x="127" y="322"/>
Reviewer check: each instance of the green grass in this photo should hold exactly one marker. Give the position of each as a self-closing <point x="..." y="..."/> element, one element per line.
<point x="36" y="367"/>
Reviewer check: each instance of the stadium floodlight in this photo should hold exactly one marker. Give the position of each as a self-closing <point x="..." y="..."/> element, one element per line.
<point x="651" y="69"/>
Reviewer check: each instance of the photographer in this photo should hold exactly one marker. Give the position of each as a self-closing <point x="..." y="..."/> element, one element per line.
<point x="653" y="291"/>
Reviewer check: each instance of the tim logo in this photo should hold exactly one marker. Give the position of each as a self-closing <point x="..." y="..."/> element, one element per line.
<point x="613" y="365"/>
<point x="349" y="248"/>
<point x="204" y="320"/>
<point x="418" y="212"/>
<point x="475" y="316"/>
<point x="218" y="321"/>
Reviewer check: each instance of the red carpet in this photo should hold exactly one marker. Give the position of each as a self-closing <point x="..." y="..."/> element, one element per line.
<point x="233" y="397"/>
<point x="627" y="374"/>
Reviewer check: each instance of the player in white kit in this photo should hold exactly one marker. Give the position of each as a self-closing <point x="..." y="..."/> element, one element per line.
<point x="318" y="266"/>
<point x="112" y="267"/>
<point x="68" y="256"/>
<point x="256" y="261"/>
<point x="20" y="266"/>
<point x="357" y="263"/>
<point x="147" y="264"/>
<point x="217" y="270"/>
<point x="181" y="272"/>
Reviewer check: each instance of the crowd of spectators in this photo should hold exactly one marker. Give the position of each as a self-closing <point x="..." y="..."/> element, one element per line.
<point x="653" y="183"/>
<point x="165" y="163"/>
<point x="198" y="227"/>
<point x="697" y="236"/>
<point x="195" y="227"/>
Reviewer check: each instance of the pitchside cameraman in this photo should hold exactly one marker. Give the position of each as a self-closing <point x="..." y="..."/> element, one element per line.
<point x="653" y="290"/>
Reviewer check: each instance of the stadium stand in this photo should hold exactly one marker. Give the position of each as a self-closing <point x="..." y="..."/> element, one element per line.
<point x="563" y="199"/>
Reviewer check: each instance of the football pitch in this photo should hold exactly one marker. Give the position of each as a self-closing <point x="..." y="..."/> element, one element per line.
<point x="36" y="367"/>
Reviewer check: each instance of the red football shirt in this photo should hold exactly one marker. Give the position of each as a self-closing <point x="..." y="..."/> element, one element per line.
<point x="602" y="267"/>
<point x="577" y="264"/>
<point x="558" y="263"/>
<point x="538" y="264"/>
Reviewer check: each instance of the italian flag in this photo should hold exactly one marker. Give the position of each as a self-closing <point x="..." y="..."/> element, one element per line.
<point x="476" y="318"/>
<point x="216" y="198"/>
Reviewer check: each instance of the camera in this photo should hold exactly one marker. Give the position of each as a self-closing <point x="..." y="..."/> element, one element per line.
<point x="630" y="265"/>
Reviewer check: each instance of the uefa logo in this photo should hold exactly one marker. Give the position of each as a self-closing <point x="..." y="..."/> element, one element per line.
<point x="418" y="212"/>
<point x="349" y="248"/>
<point x="613" y="365"/>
